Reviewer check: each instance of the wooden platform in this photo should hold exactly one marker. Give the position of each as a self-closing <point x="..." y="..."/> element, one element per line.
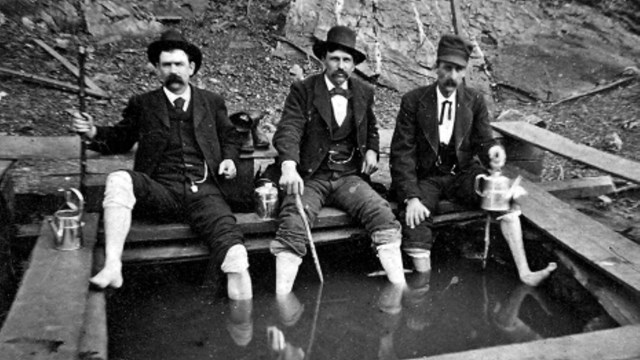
<point x="48" y="313"/>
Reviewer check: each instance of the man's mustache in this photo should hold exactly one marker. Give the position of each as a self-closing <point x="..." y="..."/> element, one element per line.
<point x="173" y="78"/>
<point x="450" y="83"/>
<point x="340" y="73"/>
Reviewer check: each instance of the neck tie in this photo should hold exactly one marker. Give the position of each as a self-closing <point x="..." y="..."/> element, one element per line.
<point x="179" y="103"/>
<point x="445" y="104"/>
<point x="340" y="91"/>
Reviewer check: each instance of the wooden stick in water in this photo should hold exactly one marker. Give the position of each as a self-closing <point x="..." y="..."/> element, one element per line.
<point x="307" y="227"/>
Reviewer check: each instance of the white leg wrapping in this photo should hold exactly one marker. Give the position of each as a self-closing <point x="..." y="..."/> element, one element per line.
<point x="287" y="264"/>
<point x="236" y="260"/>
<point x="390" y="258"/>
<point x="119" y="190"/>
<point x="421" y="258"/>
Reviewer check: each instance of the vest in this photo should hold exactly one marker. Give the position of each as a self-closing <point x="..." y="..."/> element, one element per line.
<point x="182" y="160"/>
<point x="343" y="157"/>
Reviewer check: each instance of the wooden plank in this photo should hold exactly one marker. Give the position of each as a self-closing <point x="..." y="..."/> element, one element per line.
<point x="72" y="68"/>
<point x="621" y="306"/>
<point x="251" y="224"/>
<point x="612" y="164"/>
<point x="50" y="82"/>
<point x="613" y="344"/>
<point x="175" y="252"/>
<point x="41" y="147"/>
<point x="613" y="254"/>
<point x="592" y="186"/>
<point x="47" y="314"/>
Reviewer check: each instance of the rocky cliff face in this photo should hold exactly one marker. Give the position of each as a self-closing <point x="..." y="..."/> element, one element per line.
<point x="563" y="46"/>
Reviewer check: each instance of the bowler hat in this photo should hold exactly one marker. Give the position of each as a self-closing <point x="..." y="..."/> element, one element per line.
<point x="342" y="37"/>
<point x="454" y="49"/>
<point x="171" y="40"/>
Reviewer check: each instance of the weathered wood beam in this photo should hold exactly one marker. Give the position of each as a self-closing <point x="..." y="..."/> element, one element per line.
<point x="72" y="68"/>
<point x="50" y="82"/>
<point x="46" y="318"/>
<point x="585" y="187"/>
<point x="557" y="144"/>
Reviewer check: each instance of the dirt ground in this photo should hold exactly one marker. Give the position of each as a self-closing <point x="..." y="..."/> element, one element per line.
<point x="240" y="63"/>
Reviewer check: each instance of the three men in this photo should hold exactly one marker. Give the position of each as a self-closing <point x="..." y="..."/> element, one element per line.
<point x="328" y="142"/>
<point x="186" y="147"/>
<point x="439" y="130"/>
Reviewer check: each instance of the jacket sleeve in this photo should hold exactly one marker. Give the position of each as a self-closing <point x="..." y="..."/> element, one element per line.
<point x="290" y="129"/>
<point x="484" y="138"/>
<point x="403" y="161"/>
<point x="373" y="136"/>
<point x="119" y="138"/>
<point x="230" y="140"/>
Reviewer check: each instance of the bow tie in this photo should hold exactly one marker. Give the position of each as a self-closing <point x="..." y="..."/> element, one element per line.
<point x="340" y="91"/>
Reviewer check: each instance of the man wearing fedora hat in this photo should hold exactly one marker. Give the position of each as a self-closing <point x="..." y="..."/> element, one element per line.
<point x="327" y="142"/>
<point x="186" y="147"/>
<point x="440" y="129"/>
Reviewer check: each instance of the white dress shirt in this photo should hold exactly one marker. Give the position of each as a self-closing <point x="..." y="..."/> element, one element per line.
<point x="445" y="125"/>
<point x="338" y="103"/>
<point x="185" y="95"/>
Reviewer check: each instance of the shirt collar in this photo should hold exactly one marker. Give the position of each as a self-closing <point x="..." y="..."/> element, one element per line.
<point x="172" y="97"/>
<point x="330" y="85"/>
<point x="441" y="97"/>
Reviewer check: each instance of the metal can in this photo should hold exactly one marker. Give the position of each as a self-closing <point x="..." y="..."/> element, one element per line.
<point x="266" y="200"/>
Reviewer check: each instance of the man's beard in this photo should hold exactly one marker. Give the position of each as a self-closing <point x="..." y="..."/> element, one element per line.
<point x="173" y="79"/>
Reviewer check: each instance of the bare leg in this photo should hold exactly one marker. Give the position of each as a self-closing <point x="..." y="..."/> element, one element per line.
<point x="117" y="221"/>
<point x="287" y="264"/>
<point x="512" y="232"/>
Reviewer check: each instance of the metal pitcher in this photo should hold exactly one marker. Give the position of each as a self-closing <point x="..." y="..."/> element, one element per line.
<point x="496" y="191"/>
<point x="266" y="200"/>
<point x="67" y="223"/>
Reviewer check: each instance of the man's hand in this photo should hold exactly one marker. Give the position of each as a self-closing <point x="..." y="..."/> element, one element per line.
<point x="290" y="180"/>
<point x="416" y="213"/>
<point x="82" y="123"/>
<point x="227" y="168"/>
<point x="370" y="163"/>
<point x="497" y="157"/>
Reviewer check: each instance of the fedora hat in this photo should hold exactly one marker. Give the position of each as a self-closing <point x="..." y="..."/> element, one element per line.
<point x="342" y="37"/>
<point x="454" y="49"/>
<point x="170" y="40"/>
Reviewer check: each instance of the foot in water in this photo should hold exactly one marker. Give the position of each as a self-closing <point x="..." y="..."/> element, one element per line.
<point x="536" y="277"/>
<point x="109" y="276"/>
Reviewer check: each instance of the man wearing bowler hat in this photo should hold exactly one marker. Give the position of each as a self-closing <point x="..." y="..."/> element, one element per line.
<point x="328" y="142"/>
<point x="186" y="147"/>
<point x="440" y="129"/>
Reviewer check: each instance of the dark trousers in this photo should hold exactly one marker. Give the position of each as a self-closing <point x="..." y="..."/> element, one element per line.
<point x="206" y="210"/>
<point x="458" y="188"/>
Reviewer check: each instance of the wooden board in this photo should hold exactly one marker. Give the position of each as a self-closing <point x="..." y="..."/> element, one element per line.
<point x="39" y="147"/>
<point x="614" y="344"/>
<point x="47" y="315"/>
<point x="592" y="186"/>
<point x="613" y="254"/>
<point x="612" y="164"/>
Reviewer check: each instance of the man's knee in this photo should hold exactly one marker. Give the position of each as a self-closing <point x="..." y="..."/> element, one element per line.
<point x="119" y="190"/>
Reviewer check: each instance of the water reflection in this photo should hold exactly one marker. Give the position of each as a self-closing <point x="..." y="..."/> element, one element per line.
<point x="456" y="307"/>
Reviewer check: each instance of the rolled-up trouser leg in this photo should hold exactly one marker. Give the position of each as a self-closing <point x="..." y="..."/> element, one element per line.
<point x="387" y="243"/>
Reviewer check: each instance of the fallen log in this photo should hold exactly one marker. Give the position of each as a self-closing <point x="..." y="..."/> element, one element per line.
<point x="595" y="91"/>
<point x="50" y="82"/>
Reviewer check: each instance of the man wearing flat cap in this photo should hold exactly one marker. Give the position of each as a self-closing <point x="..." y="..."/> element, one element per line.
<point x="328" y="142"/>
<point x="186" y="147"/>
<point x="441" y="130"/>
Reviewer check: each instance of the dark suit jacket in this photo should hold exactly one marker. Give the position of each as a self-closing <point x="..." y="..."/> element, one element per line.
<point x="146" y="120"/>
<point x="416" y="139"/>
<point x="303" y="133"/>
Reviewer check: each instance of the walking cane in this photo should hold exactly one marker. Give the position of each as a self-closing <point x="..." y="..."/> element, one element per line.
<point x="82" y="55"/>
<point x="307" y="227"/>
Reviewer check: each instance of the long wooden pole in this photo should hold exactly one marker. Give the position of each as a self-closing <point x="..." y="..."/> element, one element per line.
<point x="82" y="55"/>
<point x="307" y="227"/>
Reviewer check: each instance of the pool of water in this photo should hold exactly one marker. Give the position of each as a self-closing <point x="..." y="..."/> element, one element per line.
<point x="162" y="312"/>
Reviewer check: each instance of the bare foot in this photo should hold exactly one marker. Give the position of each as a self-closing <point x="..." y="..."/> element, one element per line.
<point x="239" y="285"/>
<point x="536" y="277"/>
<point x="109" y="276"/>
